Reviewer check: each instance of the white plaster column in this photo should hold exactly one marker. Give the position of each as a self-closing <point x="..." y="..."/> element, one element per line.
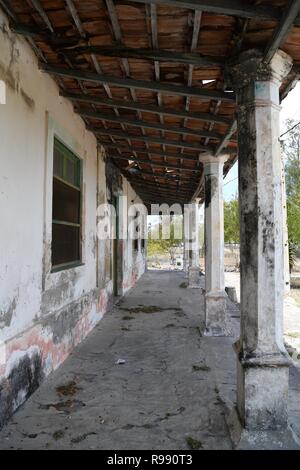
<point x="186" y="253"/>
<point x="215" y="296"/>
<point x="194" y="271"/>
<point x="263" y="364"/>
<point x="286" y="256"/>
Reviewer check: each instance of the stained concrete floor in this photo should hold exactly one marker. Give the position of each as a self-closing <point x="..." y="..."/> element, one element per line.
<point x="173" y="391"/>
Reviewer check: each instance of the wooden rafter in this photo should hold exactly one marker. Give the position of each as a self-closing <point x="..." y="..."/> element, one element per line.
<point x="226" y="138"/>
<point x="154" y="140"/>
<point x="153" y="163"/>
<point x="159" y="153"/>
<point x="116" y="50"/>
<point x="148" y="188"/>
<point x="195" y="35"/>
<point x="167" y="187"/>
<point x="206" y="117"/>
<point x="162" y="87"/>
<point x="118" y="37"/>
<point x="232" y="128"/>
<point x="38" y="6"/>
<point x="243" y="9"/>
<point x="171" y="177"/>
<point x="282" y="30"/>
<point x="148" y="125"/>
<point x="79" y="27"/>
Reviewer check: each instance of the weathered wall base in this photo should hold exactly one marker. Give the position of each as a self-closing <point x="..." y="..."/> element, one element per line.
<point x="31" y="356"/>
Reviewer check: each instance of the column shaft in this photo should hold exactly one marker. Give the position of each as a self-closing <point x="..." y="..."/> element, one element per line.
<point x="186" y="254"/>
<point x="194" y="271"/>
<point x="215" y="296"/>
<point x="286" y="257"/>
<point x="262" y="362"/>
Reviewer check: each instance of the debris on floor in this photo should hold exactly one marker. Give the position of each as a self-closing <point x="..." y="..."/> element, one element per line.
<point x="68" y="390"/>
<point x="120" y="361"/>
<point x="193" y="444"/>
<point x="203" y="367"/>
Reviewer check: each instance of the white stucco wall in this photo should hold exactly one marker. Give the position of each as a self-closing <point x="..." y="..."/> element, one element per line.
<point x="32" y="298"/>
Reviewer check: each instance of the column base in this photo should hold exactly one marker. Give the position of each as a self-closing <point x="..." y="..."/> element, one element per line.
<point x="194" y="278"/>
<point x="216" y="323"/>
<point x="262" y="390"/>
<point x="244" y="439"/>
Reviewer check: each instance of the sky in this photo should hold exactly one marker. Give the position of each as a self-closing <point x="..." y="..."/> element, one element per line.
<point x="290" y="109"/>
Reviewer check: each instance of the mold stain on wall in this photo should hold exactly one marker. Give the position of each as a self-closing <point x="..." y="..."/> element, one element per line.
<point x="7" y="314"/>
<point x="39" y="351"/>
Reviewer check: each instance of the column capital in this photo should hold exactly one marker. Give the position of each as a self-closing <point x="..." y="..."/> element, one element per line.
<point x="250" y="67"/>
<point x="209" y="158"/>
<point x="212" y="164"/>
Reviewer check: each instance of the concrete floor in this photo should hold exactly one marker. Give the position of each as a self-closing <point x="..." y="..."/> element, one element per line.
<point x="173" y="391"/>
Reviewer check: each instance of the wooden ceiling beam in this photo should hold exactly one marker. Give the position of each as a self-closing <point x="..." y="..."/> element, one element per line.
<point x="237" y="45"/>
<point x="55" y="40"/>
<point x="76" y="19"/>
<point x="157" y="199"/>
<point x="194" y="43"/>
<point x="154" y="140"/>
<point x="136" y="106"/>
<point x="243" y="9"/>
<point x="160" y="55"/>
<point x="37" y="5"/>
<point x="113" y="15"/>
<point x="152" y="188"/>
<point x="163" y="188"/>
<point x="71" y="8"/>
<point x="180" y="90"/>
<point x="149" y="125"/>
<point x="283" y="29"/>
<point x="172" y="177"/>
<point x="7" y="8"/>
<point x="161" y="153"/>
<point x="226" y="138"/>
<point x="152" y="163"/>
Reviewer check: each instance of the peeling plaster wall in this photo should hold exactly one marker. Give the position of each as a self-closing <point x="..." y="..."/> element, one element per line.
<point x="133" y="261"/>
<point x="44" y="315"/>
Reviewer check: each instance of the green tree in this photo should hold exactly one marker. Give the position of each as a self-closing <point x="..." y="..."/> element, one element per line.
<point x="168" y="245"/>
<point x="291" y="156"/>
<point x="231" y="221"/>
<point x="293" y="219"/>
<point x="291" y="141"/>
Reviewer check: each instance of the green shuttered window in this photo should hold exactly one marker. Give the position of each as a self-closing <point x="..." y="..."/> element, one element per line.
<point x="66" y="208"/>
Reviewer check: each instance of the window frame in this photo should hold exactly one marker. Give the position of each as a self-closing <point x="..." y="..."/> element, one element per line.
<point x="136" y="244"/>
<point x="71" y="155"/>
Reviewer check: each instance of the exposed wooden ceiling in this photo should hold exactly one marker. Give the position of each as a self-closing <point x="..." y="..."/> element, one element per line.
<point x="147" y="76"/>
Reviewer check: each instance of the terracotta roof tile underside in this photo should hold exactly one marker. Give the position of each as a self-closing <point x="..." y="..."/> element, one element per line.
<point x="147" y="76"/>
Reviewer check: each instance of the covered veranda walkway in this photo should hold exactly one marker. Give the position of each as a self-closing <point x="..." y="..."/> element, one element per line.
<point x="174" y="93"/>
<point x="175" y="390"/>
